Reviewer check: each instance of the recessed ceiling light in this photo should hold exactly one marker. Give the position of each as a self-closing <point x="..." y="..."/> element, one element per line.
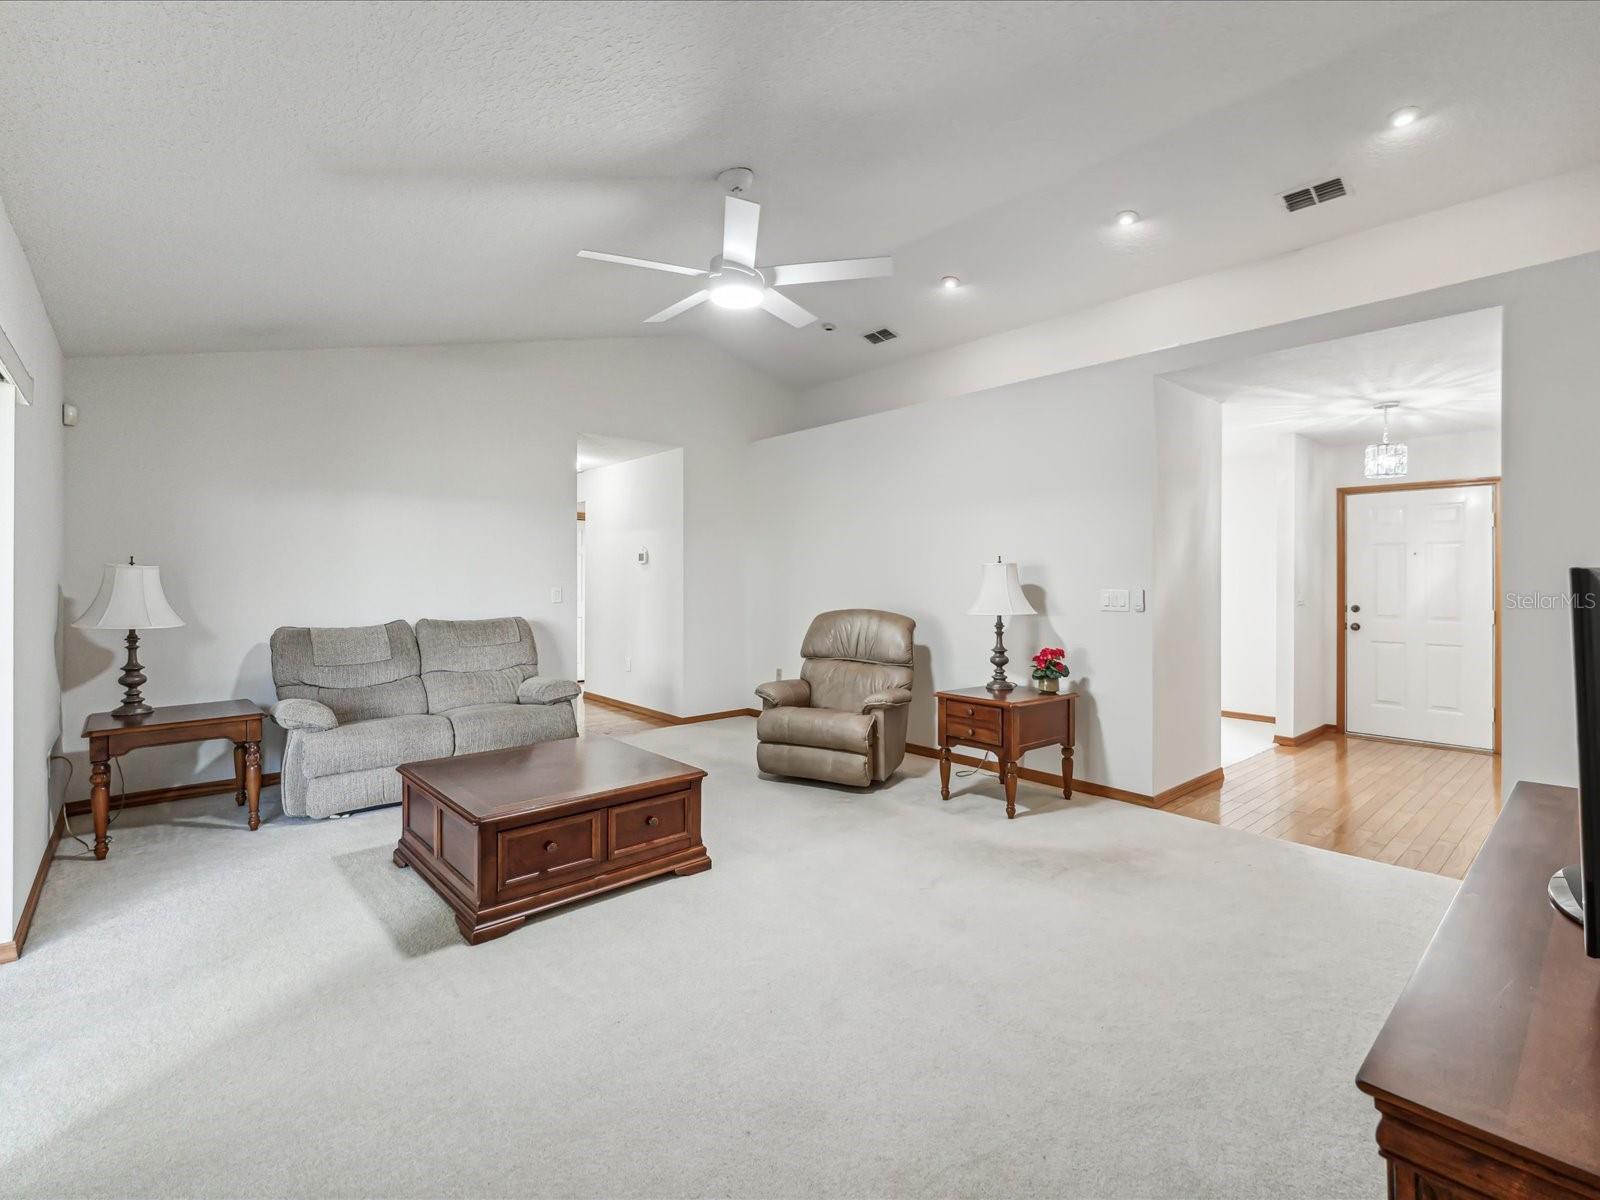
<point x="1127" y="217"/>
<point x="1401" y="117"/>
<point x="949" y="283"/>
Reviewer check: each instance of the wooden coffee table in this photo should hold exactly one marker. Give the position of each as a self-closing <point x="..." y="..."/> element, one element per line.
<point x="508" y="833"/>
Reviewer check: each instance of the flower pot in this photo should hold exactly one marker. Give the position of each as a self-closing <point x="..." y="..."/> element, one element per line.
<point x="1047" y="685"/>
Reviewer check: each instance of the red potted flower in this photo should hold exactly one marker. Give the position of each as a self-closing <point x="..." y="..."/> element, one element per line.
<point x="1050" y="668"/>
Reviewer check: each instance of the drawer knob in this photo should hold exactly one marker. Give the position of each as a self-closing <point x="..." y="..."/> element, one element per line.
<point x="970" y="713"/>
<point x="552" y="847"/>
<point x="652" y="821"/>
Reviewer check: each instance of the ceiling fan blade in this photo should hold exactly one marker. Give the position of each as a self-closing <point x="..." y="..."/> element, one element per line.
<point x="682" y="306"/>
<point x="740" y="219"/>
<point x="781" y="306"/>
<point x="639" y="262"/>
<point x="828" y="272"/>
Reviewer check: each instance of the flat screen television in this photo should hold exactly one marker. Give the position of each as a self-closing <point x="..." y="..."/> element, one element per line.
<point x="1573" y="889"/>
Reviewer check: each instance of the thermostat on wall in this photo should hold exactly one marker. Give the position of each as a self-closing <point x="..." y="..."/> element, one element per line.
<point x="642" y="557"/>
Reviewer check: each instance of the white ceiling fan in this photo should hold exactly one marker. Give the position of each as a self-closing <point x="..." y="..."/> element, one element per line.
<point x="733" y="279"/>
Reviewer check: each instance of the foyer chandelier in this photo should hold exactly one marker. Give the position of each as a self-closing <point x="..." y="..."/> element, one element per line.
<point x="1386" y="459"/>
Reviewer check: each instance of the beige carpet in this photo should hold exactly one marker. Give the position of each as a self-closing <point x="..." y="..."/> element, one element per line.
<point x="878" y="995"/>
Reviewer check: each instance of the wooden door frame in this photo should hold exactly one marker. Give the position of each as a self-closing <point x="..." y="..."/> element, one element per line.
<point x="1492" y="482"/>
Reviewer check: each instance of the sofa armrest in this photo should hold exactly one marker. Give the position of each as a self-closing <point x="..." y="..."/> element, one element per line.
<point x="785" y="693"/>
<point x="888" y="698"/>
<point x="539" y="690"/>
<point x="304" y="714"/>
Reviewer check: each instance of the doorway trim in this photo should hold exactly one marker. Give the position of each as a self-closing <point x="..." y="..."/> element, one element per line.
<point x="1490" y="481"/>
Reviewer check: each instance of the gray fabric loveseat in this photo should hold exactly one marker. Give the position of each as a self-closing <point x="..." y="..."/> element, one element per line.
<point x="359" y="701"/>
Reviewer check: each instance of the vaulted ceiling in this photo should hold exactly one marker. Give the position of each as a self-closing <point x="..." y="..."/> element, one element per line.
<point x="232" y="176"/>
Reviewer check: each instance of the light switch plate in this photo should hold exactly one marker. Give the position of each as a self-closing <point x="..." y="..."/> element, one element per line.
<point x="1114" y="600"/>
<point x="555" y="595"/>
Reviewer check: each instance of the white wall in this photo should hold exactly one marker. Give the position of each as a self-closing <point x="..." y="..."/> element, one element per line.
<point x="1185" y="606"/>
<point x="30" y="691"/>
<point x="1249" y="555"/>
<point x="1537" y="223"/>
<point x="899" y="510"/>
<point x="1549" y="504"/>
<point x="355" y="486"/>
<point x="1306" y="591"/>
<point x="634" y="612"/>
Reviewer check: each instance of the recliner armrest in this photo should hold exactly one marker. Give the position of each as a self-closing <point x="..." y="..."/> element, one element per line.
<point x="304" y="714"/>
<point x="888" y="698"/>
<point x="785" y="693"/>
<point x="539" y="690"/>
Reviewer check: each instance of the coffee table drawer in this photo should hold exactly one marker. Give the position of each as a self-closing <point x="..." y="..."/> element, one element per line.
<point x="536" y="854"/>
<point x="646" y="825"/>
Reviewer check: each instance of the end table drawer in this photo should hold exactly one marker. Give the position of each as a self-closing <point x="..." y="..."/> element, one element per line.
<point x="646" y="824"/>
<point x="534" y="854"/>
<point x="972" y="722"/>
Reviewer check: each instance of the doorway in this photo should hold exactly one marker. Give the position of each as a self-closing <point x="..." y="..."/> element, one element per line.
<point x="1418" y="633"/>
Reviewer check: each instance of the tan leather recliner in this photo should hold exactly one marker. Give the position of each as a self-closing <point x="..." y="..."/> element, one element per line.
<point x="844" y="719"/>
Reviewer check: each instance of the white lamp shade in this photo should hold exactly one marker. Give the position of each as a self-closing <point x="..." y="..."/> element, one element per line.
<point x="1000" y="593"/>
<point x="130" y="597"/>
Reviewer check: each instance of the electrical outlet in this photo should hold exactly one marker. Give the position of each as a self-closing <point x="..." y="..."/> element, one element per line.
<point x="779" y="675"/>
<point x="1114" y="600"/>
<point x="1138" y="599"/>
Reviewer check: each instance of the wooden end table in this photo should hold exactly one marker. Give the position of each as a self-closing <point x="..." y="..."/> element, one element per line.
<point x="1007" y="724"/>
<point x="239" y="721"/>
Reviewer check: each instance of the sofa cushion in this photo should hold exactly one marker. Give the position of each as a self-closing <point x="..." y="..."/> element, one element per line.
<point x="467" y="663"/>
<point x="825" y="729"/>
<point x="390" y="686"/>
<point x="382" y="742"/>
<point x="499" y="726"/>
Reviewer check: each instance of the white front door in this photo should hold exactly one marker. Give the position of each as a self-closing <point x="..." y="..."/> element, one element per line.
<point x="1419" y="615"/>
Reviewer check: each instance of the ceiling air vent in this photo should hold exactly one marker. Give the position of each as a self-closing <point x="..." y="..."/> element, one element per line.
<point x="880" y="335"/>
<point x="1319" y="193"/>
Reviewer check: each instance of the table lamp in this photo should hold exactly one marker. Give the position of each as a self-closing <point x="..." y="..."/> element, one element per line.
<point x="1000" y="593"/>
<point x="130" y="598"/>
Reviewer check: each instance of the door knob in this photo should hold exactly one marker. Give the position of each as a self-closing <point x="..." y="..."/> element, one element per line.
<point x="1355" y="608"/>
<point x="1356" y="628"/>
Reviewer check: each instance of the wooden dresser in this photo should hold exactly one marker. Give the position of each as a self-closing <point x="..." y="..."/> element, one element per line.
<point x="1487" y="1073"/>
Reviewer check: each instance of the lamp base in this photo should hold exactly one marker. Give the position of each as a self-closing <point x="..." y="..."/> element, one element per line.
<point x="999" y="683"/>
<point x="132" y="680"/>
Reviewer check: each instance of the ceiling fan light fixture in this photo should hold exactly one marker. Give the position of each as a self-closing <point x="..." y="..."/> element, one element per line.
<point x="736" y="293"/>
<point x="734" y="285"/>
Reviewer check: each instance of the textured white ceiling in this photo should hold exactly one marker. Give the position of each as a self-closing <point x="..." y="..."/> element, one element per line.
<point x="1445" y="374"/>
<point x="220" y="176"/>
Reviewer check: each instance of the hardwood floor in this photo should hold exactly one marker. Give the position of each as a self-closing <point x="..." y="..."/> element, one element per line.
<point x="597" y="720"/>
<point x="1417" y="806"/>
